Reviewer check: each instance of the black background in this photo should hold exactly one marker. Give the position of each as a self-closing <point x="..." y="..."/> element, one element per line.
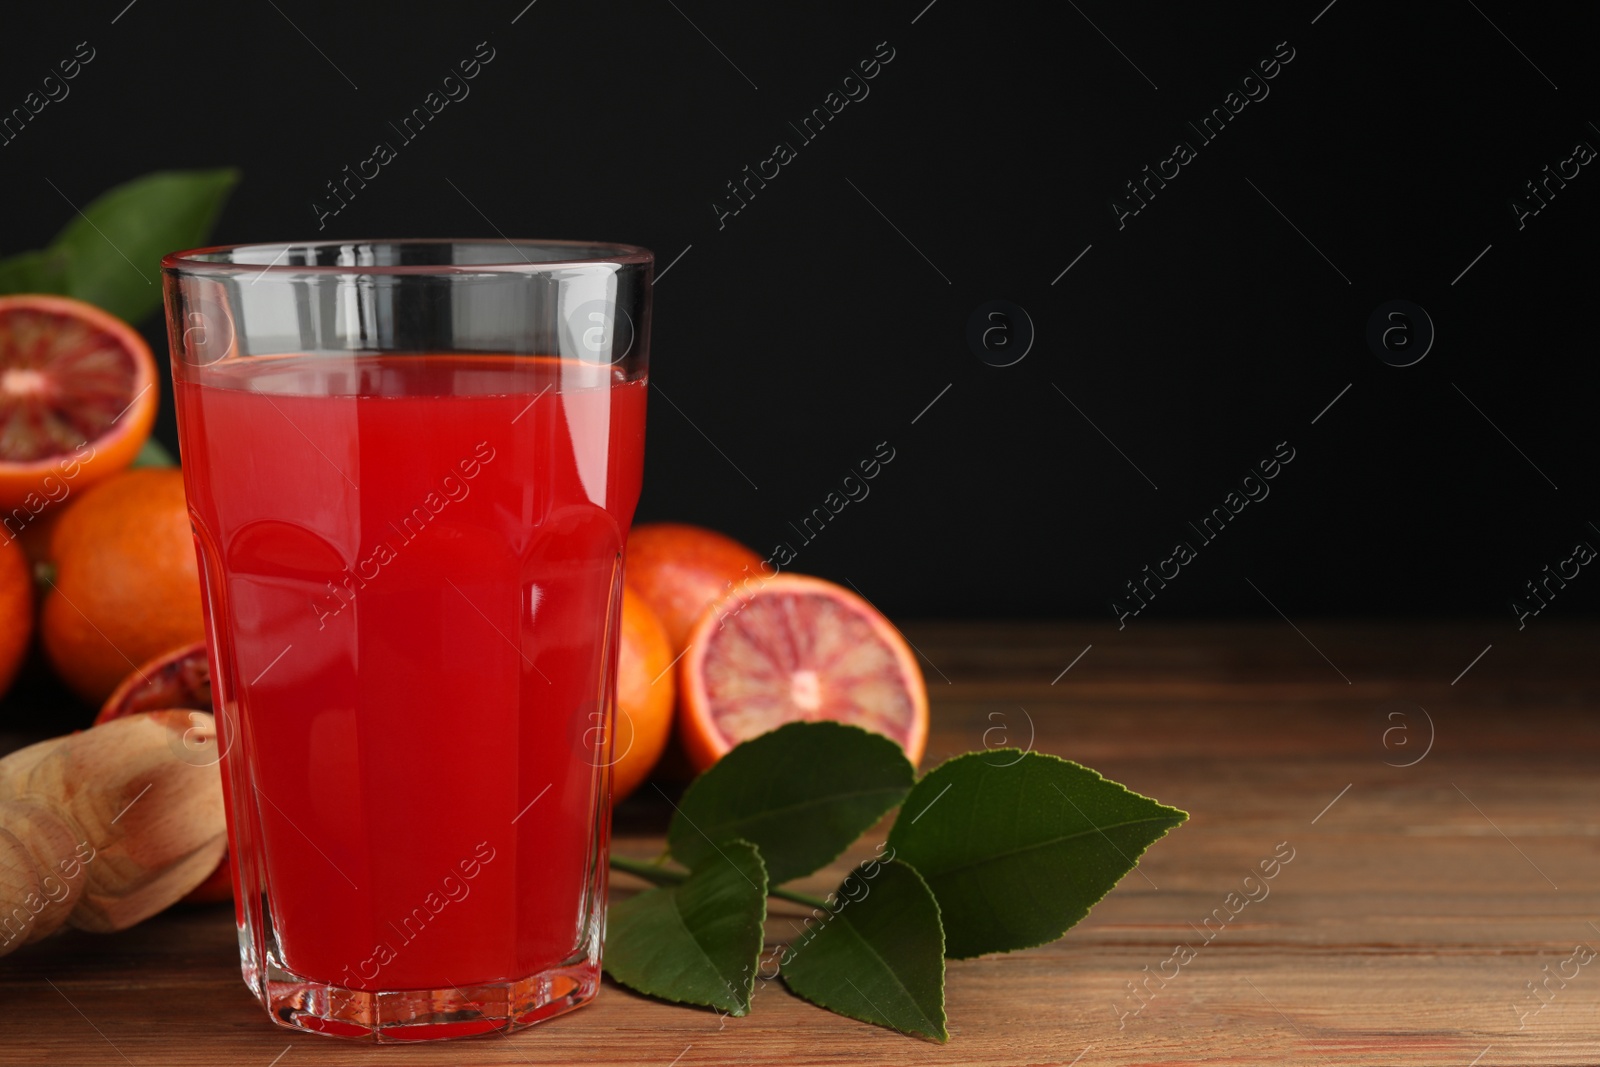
<point x="826" y="316"/>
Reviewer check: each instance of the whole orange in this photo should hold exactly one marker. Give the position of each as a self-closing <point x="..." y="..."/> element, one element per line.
<point x="126" y="586"/>
<point x="680" y="569"/>
<point x="646" y="691"/>
<point x="16" y="609"/>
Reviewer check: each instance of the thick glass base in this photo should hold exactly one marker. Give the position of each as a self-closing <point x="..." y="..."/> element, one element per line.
<point x="425" y="1014"/>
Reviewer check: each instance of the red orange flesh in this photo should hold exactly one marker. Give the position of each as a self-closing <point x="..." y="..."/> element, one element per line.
<point x="796" y="648"/>
<point x="77" y="398"/>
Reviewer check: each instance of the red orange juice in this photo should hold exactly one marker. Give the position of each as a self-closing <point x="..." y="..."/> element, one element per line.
<point x="414" y="565"/>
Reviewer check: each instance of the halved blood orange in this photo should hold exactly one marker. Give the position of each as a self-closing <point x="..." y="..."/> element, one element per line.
<point x="177" y="679"/>
<point x="78" y="393"/>
<point x="797" y="648"/>
<point x="180" y="679"/>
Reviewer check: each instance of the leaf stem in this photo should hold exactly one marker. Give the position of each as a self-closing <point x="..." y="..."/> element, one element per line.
<point x="657" y="875"/>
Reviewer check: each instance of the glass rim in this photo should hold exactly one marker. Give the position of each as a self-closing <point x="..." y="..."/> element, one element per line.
<point x="197" y="261"/>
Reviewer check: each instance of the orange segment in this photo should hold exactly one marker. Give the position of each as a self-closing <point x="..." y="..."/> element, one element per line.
<point x="77" y="399"/>
<point x="798" y="648"/>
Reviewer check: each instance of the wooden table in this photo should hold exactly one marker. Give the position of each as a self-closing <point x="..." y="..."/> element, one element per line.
<point x="1421" y="902"/>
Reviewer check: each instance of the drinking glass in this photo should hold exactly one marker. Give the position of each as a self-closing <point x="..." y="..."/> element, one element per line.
<point x="411" y="467"/>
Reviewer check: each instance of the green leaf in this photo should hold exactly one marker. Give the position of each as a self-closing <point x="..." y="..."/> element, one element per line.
<point x="110" y="253"/>
<point x="32" y="272"/>
<point x="697" y="942"/>
<point x="1017" y="851"/>
<point x="153" y="454"/>
<point x="880" y="957"/>
<point x="802" y="794"/>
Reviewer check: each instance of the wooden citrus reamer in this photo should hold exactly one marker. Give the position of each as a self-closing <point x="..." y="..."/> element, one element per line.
<point x="102" y="829"/>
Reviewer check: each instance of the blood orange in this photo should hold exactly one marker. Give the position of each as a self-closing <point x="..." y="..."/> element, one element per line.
<point x="126" y="586"/>
<point x="798" y="648"/>
<point x="77" y="398"/>
<point x="645" y="690"/>
<point x="16" y="610"/>
<point x="177" y="679"/>
<point x="680" y="569"/>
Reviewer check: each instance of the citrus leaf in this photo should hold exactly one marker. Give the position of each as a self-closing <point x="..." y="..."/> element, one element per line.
<point x="32" y="272"/>
<point x="801" y="794"/>
<point x="880" y="957"/>
<point x="153" y="454"/>
<point x="697" y="942"/>
<point x="110" y="253"/>
<point x="1018" y="850"/>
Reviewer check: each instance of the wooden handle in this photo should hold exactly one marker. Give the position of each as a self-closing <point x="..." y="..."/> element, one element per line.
<point x="104" y="828"/>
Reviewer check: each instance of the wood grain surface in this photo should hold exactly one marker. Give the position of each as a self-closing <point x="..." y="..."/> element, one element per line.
<point x="1418" y="914"/>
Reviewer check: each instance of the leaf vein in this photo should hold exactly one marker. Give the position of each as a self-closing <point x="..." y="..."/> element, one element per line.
<point x="827" y="801"/>
<point x="1034" y="846"/>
